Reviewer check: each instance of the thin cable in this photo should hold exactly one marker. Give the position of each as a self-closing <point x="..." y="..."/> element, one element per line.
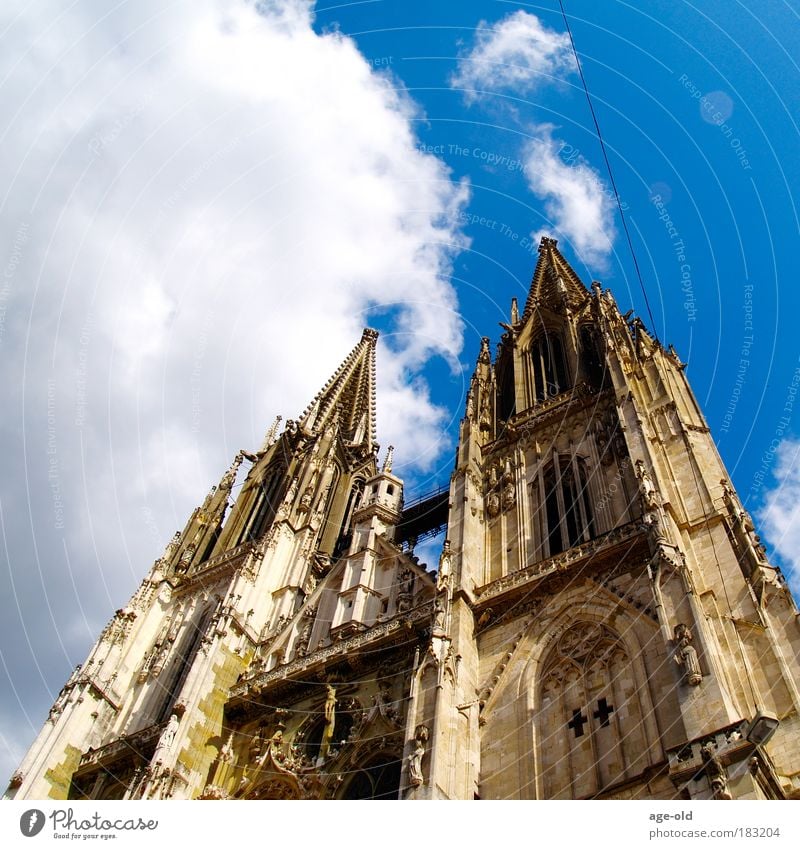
<point x="610" y="172"/>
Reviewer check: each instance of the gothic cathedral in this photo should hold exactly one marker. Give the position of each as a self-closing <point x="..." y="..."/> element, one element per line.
<point x="603" y="622"/>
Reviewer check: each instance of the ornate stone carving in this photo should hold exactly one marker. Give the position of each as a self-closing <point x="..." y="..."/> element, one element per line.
<point x="715" y="772"/>
<point x="509" y="490"/>
<point x="686" y="655"/>
<point x="166" y="740"/>
<point x="213" y="792"/>
<point x="445" y="566"/>
<point x="330" y="720"/>
<point x="415" y="776"/>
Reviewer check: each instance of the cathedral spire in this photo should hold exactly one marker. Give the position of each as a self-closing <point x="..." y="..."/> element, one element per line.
<point x="348" y="398"/>
<point x="554" y="284"/>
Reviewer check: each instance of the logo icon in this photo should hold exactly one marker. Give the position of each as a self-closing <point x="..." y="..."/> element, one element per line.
<point x="31" y="822"/>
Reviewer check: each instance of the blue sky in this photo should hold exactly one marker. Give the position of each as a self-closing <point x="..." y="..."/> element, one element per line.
<point x="204" y="204"/>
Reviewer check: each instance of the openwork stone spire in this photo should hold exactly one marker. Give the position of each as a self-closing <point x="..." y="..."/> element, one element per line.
<point x="554" y="284"/>
<point x="348" y="399"/>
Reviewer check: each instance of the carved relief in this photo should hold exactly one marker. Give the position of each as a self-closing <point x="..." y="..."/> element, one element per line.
<point x="686" y="655"/>
<point x="415" y="776"/>
<point x="715" y="772"/>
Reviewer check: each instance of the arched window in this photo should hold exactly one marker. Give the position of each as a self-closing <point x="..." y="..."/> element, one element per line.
<point x="589" y="726"/>
<point x="593" y="364"/>
<point x="345" y="530"/>
<point x="508" y="402"/>
<point x="177" y="669"/>
<point x="567" y="517"/>
<point x="378" y="780"/>
<point x="264" y="507"/>
<point x="548" y="367"/>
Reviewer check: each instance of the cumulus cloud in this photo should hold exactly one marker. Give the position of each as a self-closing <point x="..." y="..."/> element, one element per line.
<point x="779" y="517"/>
<point x="578" y="204"/>
<point x="205" y="202"/>
<point x="518" y="53"/>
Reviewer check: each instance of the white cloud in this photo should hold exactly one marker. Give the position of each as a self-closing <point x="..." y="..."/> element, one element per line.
<point x="518" y="53"/>
<point x="578" y="203"/>
<point x="212" y="201"/>
<point x="779" y="518"/>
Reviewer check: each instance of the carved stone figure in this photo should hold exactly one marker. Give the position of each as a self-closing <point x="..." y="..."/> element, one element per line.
<point x="439" y="613"/>
<point x="443" y="577"/>
<point x="715" y="772"/>
<point x="330" y="721"/>
<point x="166" y="739"/>
<point x="415" y="776"/>
<point x="686" y="655"/>
<point x="493" y="504"/>
<point x="646" y="486"/>
<point x="509" y="490"/>
<point x="303" y="639"/>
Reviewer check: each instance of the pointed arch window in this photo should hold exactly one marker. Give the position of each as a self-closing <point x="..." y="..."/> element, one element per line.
<point x="177" y="670"/>
<point x="345" y="529"/>
<point x="566" y="509"/>
<point x="266" y="503"/>
<point x="548" y="367"/>
<point x="590" y="722"/>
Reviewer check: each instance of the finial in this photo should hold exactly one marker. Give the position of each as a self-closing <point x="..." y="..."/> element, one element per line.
<point x="229" y="477"/>
<point x="272" y="433"/>
<point x="514" y="311"/>
<point x="368" y="334"/>
<point x="387" y="463"/>
<point x="546" y="243"/>
<point x="485" y="355"/>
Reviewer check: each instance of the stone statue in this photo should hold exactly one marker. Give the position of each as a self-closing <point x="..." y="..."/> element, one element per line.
<point x="330" y="720"/>
<point x="405" y="591"/>
<point x="715" y="772"/>
<point x="443" y="578"/>
<point x="166" y="739"/>
<point x="646" y="486"/>
<point x="509" y="490"/>
<point x="686" y="655"/>
<point x="415" y="758"/>
<point x="439" y="613"/>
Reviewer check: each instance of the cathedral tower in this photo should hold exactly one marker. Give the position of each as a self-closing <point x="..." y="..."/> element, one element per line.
<point x="602" y="623"/>
<point x="619" y="629"/>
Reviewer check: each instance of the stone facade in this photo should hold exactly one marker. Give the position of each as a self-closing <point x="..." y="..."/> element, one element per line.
<point x="603" y="622"/>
